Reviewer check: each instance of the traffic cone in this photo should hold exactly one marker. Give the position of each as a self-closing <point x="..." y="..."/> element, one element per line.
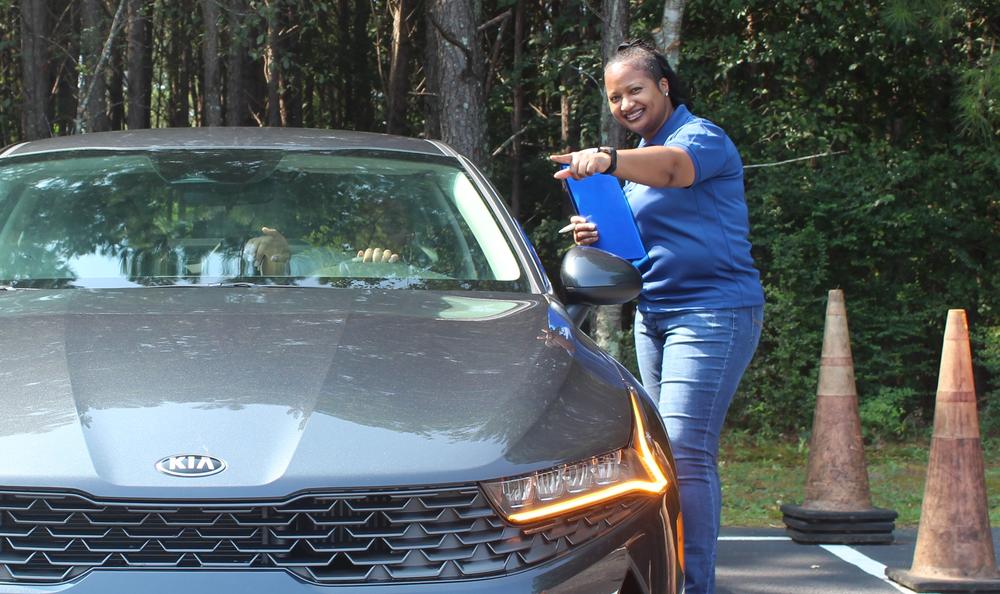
<point x="838" y="507"/>
<point x="954" y="551"/>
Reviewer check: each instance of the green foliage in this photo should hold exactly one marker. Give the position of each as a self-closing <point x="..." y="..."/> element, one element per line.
<point x="907" y="234"/>
<point x="986" y="351"/>
<point x="887" y="413"/>
<point x="959" y="27"/>
<point x="905" y="220"/>
<point x="900" y="97"/>
<point x="979" y="101"/>
<point x="549" y="244"/>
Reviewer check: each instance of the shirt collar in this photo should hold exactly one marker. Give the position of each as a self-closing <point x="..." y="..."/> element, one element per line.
<point x="678" y="118"/>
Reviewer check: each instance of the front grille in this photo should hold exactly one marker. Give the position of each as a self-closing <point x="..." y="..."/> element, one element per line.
<point x="351" y="537"/>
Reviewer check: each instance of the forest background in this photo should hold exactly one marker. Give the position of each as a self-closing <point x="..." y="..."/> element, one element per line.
<point x="870" y="130"/>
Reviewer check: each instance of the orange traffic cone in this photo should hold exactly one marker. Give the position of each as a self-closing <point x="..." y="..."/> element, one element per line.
<point x="838" y="506"/>
<point x="954" y="551"/>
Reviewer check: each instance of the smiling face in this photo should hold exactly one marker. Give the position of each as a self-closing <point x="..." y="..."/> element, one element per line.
<point x="636" y="100"/>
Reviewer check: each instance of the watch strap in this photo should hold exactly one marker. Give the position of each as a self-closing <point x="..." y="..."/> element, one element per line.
<point x="613" y="153"/>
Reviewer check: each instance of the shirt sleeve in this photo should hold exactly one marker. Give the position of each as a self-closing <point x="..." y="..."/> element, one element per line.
<point x="706" y="144"/>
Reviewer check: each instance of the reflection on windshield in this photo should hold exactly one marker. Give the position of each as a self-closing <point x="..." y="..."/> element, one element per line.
<point x="130" y="219"/>
<point x="469" y="308"/>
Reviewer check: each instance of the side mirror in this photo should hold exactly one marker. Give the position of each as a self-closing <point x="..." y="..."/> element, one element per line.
<point x="595" y="277"/>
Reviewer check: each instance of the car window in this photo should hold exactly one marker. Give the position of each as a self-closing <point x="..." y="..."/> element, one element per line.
<point x="182" y="217"/>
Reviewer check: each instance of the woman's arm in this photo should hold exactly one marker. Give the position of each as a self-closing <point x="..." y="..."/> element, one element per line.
<point x="656" y="166"/>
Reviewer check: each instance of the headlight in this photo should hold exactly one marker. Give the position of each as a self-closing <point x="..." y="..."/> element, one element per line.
<point x="638" y="468"/>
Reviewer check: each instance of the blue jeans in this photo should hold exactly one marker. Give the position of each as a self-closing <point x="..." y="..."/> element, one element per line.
<point x="691" y="363"/>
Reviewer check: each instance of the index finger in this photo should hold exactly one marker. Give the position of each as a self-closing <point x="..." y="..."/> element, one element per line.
<point x="563" y="174"/>
<point x="566" y="158"/>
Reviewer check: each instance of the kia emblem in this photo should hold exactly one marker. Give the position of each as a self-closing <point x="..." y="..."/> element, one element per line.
<point x="190" y="465"/>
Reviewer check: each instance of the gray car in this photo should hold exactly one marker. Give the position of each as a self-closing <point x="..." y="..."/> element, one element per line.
<point x="253" y="360"/>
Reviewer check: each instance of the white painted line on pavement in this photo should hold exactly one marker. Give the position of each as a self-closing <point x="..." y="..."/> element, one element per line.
<point x="864" y="563"/>
<point x="753" y="538"/>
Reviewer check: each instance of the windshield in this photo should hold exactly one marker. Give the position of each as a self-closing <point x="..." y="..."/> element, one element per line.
<point x="195" y="217"/>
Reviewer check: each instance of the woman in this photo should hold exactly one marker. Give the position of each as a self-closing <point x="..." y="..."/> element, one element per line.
<point x="701" y="308"/>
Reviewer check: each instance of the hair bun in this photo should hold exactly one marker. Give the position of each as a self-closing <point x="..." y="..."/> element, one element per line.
<point x="636" y="43"/>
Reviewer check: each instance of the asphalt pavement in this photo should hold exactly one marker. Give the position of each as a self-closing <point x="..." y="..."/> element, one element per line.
<point x="764" y="561"/>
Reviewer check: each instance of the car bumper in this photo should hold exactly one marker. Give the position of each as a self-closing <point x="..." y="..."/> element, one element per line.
<point x="641" y="552"/>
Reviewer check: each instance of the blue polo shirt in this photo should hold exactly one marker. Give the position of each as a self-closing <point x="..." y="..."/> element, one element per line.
<point x="696" y="237"/>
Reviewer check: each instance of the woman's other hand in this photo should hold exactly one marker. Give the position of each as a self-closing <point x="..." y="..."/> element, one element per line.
<point x="584" y="232"/>
<point x="582" y="163"/>
<point x="377" y="255"/>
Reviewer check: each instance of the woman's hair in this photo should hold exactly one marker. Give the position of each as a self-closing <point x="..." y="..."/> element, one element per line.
<point x="644" y="55"/>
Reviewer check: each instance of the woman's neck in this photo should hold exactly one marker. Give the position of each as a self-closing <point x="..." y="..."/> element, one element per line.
<point x="666" y="116"/>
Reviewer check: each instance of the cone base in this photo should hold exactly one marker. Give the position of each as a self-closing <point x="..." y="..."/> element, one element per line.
<point x="921" y="583"/>
<point x="840" y="537"/>
<point x="863" y="526"/>
<point x="837" y="527"/>
<point x="874" y="514"/>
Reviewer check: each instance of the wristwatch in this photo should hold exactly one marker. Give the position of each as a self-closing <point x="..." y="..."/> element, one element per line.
<point x="613" y="153"/>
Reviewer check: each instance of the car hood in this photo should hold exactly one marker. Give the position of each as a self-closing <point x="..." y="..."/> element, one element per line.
<point x="294" y="389"/>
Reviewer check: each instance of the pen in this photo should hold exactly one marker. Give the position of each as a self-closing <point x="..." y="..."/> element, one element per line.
<point x="567" y="228"/>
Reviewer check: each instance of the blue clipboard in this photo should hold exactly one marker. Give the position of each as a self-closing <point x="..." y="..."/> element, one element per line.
<point x="600" y="199"/>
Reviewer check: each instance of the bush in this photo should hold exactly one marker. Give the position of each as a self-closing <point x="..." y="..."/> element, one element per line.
<point x="907" y="234"/>
<point x="986" y="351"/>
<point x="902" y="212"/>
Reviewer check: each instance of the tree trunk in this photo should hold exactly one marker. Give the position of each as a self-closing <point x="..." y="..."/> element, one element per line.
<point x="94" y="88"/>
<point x="566" y="137"/>
<point x="459" y="72"/>
<point x="292" y="75"/>
<point x="432" y="102"/>
<point x="272" y="65"/>
<point x="139" y="57"/>
<point x="399" y="67"/>
<point x="10" y="70"/>
<point x="330" y="99"/>
<point x="615" y="14"/>
<point x="35" y="71"/>
<point x="569" y="127"/>
<point x="192" y="70"/>
<point x="116" y="87"/>
<point x="668" y="38"/>
<point x="309" y="110"/>
<point x="517" y="113"/>
<point x="344" y="71"/>
<point x="255" y="84"/>
<point x="363" y="69"/>
<point x="608" y="318"/>
<point x="212" y="89"/>
<point x="236" y="106"/>
<point x="65" y="81"/>
<point x="291" y="97"/>
<point x="177" y="72"/>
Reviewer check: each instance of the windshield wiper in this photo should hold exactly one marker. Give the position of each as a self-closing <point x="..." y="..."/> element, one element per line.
<point x="231" y="285"/>
<point x="203" y="285"/>
<point x="249" y="285"/>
